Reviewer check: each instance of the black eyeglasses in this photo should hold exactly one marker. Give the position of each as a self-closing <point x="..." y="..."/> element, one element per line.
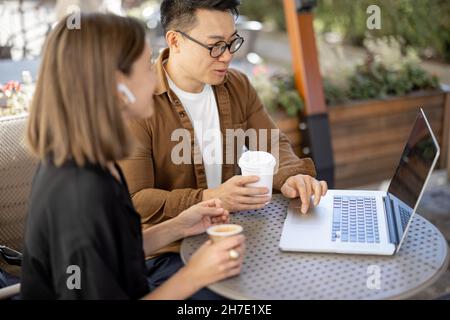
<point x="218" y="49"/>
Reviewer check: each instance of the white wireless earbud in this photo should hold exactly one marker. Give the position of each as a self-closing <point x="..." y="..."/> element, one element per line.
<point x="127" y="92"/>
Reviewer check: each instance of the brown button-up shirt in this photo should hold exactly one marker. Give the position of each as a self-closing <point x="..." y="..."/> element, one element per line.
<point x="162" y="188"/>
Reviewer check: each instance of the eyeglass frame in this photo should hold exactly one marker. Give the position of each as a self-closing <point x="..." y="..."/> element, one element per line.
<point x="210" y="48"/>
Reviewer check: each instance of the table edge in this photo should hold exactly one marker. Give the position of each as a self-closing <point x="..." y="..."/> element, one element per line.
<point x="238" y="296"/>
<point x="432" y="279"/>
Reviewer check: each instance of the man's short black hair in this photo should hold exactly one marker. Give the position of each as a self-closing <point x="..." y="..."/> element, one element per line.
<point x="180" y="14"/>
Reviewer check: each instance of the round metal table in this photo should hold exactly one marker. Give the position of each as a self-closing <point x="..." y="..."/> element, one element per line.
<point x="269" y="273"/>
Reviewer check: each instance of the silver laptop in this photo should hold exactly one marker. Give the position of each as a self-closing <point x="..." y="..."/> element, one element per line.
<point x="367" y="222"/>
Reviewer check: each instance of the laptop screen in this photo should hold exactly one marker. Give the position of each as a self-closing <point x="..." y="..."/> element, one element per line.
<point x="412" y="172"/>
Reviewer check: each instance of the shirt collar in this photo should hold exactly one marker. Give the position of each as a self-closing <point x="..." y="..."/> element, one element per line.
<point x="162" y="85"/>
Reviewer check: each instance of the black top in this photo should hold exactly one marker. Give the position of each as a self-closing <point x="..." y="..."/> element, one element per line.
<point x="81" y="222"/>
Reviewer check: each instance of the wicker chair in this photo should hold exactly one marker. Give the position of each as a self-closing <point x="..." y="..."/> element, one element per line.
<point x="17" y="168"/>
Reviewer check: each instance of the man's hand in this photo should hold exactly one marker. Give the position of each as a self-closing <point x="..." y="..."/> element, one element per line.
<point x="236" y="196"/>
<point x="304" y="186"/>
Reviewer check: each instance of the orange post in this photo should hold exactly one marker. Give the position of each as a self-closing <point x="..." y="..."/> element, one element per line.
<point x="305" y="60"/>
<point x="305" y="63"/>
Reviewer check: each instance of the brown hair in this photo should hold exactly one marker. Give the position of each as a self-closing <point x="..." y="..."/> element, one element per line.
<point x="75" y="112"/>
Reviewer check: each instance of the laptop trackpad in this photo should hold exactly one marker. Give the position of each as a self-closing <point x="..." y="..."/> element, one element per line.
<point x="316" y="216"/>
<point x="307" y="232"/>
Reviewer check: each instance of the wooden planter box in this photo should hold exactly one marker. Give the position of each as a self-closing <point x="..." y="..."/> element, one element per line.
<point x="368" y="137"/>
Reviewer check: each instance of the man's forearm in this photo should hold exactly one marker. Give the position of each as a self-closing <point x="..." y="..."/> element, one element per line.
<point x="156" y="205"/>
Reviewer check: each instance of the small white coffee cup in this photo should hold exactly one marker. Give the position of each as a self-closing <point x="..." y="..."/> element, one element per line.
<point x="222" y="231"/>
<point x="261" y="164"/>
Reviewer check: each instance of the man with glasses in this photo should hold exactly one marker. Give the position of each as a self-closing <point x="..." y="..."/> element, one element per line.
<point x="219" y="48"/>
<point x="197" y="92"/>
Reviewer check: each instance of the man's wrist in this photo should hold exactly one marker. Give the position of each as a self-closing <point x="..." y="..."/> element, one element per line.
<point x="208" y="194"/>
<point x="280" y="183"/>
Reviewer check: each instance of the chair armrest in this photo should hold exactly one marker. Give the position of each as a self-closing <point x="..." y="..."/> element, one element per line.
<point x="11" y="256"/>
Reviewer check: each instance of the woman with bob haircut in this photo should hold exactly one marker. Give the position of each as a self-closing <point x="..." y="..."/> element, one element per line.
<point x="83" y="236"/>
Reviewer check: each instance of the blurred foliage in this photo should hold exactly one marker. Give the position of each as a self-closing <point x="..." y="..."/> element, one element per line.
<point x="277" y="91"/>
<point x="422" y="24"/>
<point x="288" y="96"/>
<point x="371" y="80"/>
<point x="333" y="94"/>
<point x="270" y="11"/>
<point x="387" y="71"/>
<point x="374" y="80"/>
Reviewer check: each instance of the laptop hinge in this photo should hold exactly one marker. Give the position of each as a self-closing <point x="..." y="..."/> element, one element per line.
<point x="391" y="221"/>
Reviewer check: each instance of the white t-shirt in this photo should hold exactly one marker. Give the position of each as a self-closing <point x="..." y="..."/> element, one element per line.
<point x="202" y="111"/>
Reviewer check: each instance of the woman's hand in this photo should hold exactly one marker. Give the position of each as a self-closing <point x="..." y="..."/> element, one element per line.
<point x="201" y="216"/>
<point x="212" y="262"/>
<point x="209" y="264"/>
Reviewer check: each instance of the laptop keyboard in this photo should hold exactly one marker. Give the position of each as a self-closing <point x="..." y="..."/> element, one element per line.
<point x="355" y="220"/>
<point x="404" y="216"/>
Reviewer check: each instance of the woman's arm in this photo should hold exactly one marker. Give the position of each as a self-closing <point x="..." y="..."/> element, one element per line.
<point x="153" y="204"/>
<point x="209" y="264"/>
<point x="179" y="287"/>
<point x="161" y="235"/>
<point x="192" y="221"/>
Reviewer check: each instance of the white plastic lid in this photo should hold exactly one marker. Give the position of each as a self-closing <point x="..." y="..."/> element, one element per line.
<point x="257" y="160"/>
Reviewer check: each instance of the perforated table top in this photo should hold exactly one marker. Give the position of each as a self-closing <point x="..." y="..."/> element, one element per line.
<point x="269" y="273"/>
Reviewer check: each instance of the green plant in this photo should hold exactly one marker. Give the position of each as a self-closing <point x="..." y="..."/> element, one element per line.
<point x="288" y="97"/>
<point x="423" y="25"/>
<point x="333" y="94"/>
<point x="264" y="10"/>
<point x="388" y="71"/>
<point x="375" y="80"/>
<point x="277" y="91"/>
